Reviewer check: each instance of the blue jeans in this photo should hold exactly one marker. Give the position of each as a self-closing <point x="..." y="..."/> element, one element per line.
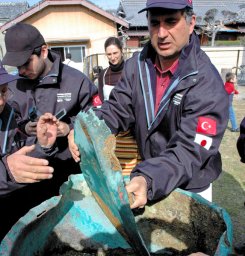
<point x="232" y="117"/>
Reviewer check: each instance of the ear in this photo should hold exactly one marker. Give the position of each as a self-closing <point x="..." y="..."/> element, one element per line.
<point x="44" y="51"/>
<point x="192" y="24"/>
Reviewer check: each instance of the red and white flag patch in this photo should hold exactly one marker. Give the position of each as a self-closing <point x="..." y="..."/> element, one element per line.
<point x="203" y="141"/>
<point x="206" y="125"/>
<point x="96" y="101"/>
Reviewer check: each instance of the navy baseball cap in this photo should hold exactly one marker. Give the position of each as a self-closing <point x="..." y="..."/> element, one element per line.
<point x="20" y="41"/>
<point x="5" y="77"/>
<point x="167" y="4"/>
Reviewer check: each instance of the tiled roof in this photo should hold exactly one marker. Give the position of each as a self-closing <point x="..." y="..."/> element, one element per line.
<point x="9" y="10"/>
<point x="131" y="8"/>
<point x="45" y="3"/>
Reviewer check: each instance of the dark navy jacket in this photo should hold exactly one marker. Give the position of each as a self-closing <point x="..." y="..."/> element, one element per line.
<point x="62" y="88"/>
<point x="166" y="141"/>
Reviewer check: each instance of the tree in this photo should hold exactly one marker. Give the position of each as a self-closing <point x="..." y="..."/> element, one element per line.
<point x="213" y="24"/>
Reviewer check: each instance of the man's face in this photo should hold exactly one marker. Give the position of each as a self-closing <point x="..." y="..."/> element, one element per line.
<point x="169" y="32"/>
<point x="34" y="67"/>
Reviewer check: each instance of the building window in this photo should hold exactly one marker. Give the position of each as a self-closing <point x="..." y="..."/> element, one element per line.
<point x="78" y="53"/>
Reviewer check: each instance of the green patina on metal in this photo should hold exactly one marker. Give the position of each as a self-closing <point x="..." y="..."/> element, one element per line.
<point x="103" y="174"/>
<point x="74" y="223"/>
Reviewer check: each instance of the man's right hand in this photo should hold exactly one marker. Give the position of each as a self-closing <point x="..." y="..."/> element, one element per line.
<point x="138" y="187"/>
<point x="73" y="147"/>
<point x="31" y="128"/>
<point x="26" y="169"/>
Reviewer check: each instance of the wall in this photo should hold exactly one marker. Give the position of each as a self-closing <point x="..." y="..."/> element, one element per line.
<point x="226" y="59"/>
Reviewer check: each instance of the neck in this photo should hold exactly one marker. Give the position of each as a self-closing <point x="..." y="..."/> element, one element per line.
<point x="48" y="66"/>
<point x="166" y="63"/>
<point x="117" y="67"/>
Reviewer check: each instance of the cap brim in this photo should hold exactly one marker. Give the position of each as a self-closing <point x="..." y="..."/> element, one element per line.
<point x="165" y="6"/>
<point x="145" y="9"/>
<point x="16" y="59"/>
<point x="7" y="78"/>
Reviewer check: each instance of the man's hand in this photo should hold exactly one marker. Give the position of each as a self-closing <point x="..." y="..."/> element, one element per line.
<point x="31" y="128"/>
<point x="63" y="129"/>
<point x="47" y="127"/>
<point x="26" y="169"/>
<point x="138" y="187"/>
<point x="73" y="147"/>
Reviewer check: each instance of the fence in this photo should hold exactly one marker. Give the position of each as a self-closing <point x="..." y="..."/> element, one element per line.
<point x="228" y="59"/>
<point x="225" y="59"/>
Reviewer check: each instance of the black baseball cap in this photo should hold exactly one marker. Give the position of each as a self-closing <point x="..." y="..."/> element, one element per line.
<point x="5" y="77"/>
<point x="167" y="4"/>
<point x="20" y="41"/>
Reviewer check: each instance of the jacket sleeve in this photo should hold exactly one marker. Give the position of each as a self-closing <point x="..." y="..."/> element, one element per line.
<point x="40" y="152"/>
<point x="85" y="96"/>
<point x="241" y="141"/>
<point x="7" y="183"/>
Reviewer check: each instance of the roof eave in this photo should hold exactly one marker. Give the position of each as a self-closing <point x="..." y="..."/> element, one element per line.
<point x="41" y="5"/>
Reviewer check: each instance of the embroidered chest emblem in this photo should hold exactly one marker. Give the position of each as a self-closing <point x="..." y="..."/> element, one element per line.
<point x="177" y="99"/>
<point x="63" y="97"/>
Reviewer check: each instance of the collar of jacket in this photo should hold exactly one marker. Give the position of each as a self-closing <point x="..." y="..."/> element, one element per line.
<point x="54" y="75"/>
<point x="148" y="76"/>
<point x="188" y="55"/>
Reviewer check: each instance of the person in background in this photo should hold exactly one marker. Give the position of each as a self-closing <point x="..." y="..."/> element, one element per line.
<point x="126" y="147"/>
<point x="21" y="166"/>
<point x="69" y="62"/>
<point x="174" y="98"/>
<point x="109" y="77"/>
<point x="230" y="88"/>
<point x="46" y="86"/>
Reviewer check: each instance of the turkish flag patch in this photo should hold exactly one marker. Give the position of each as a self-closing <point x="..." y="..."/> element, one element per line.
<point x="203" y="141"/>
<point x="96" y="101"/>
<point x="206" y="125"/>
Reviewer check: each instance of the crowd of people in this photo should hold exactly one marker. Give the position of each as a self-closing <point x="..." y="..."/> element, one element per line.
<point x="168" y="98"/>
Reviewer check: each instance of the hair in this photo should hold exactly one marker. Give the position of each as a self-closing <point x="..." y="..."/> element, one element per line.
<point x="229" y="76"/>
<point x="37" y="51"/>
<point x="188" y="14"/>
<point x="113" y="41"/>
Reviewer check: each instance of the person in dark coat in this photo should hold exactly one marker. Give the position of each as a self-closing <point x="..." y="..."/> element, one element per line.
<point x="46" y="86"/>
<point x="174" y="98"/>
<point x="22" y="167"/>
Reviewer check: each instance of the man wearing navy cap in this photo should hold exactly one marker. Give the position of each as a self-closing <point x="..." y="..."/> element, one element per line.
<point x="174" y="99"/>
<point x="46" y="85"/>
